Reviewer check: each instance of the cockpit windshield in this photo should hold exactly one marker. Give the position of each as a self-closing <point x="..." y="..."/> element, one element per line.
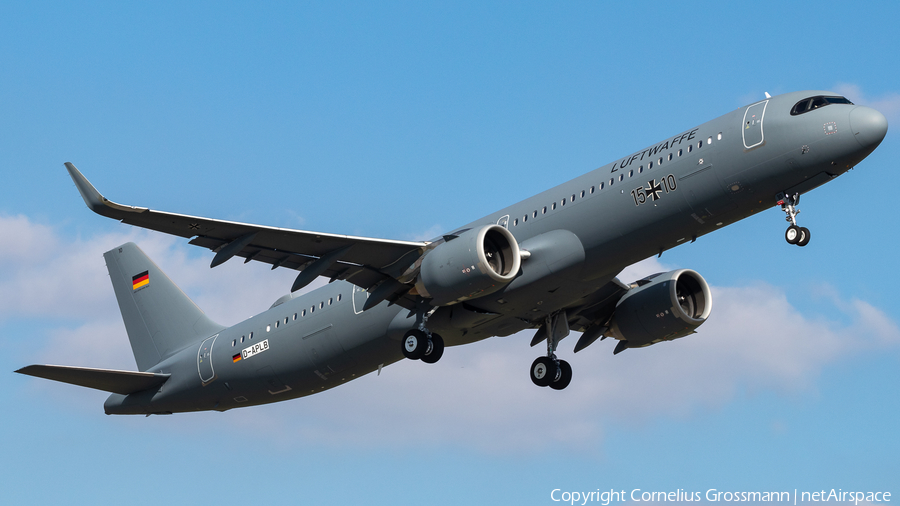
<point x="811" y="103"/>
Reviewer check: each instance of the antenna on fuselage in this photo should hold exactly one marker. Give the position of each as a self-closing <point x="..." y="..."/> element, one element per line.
<point x="767" y="94"/>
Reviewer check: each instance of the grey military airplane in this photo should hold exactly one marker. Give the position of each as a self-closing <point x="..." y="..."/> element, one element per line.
<point x="547" y="263"/>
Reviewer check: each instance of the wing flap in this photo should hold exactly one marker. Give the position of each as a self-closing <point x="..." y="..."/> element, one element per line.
<point x="108" y="380"/>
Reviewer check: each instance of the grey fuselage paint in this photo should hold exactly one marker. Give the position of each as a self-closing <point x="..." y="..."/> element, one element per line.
<point x="719" y="173"/>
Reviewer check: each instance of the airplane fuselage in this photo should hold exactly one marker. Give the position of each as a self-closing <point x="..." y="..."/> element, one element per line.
<point x="587" y="229"/>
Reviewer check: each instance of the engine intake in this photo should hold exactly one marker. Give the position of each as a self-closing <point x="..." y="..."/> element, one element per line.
<point x="478" y="262"/>
<point x="662" y="307"/>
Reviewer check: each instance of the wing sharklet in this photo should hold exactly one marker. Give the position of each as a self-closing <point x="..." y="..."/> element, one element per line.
<point x="94" y="200"/>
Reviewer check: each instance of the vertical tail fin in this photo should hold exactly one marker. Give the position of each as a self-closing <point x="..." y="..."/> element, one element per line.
<point x="159" y="318"/>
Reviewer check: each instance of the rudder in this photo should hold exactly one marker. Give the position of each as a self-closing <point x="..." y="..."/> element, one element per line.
<point x="160" y="319"/>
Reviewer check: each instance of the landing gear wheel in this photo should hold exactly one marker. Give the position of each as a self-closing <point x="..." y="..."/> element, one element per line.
<point x="435" y="350"/>
<point x="564" y="377"/>
<point x="543" y="371"/>
<point x="804" y="237"/>
<point x="415" y="344"/>
<point x="792" y="234"/>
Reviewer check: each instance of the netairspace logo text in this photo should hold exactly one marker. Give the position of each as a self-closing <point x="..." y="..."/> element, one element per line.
<point x="605" y="497"/>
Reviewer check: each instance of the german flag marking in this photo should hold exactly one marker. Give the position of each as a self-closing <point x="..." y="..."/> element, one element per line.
<point x="236" y="358"/>
<point x="142" y="279"/>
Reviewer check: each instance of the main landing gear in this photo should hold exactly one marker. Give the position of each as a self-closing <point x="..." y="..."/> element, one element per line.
<point x="420" y="343"/>
<point x="424" y="345"/>
<point x="794" y="234"/>
<point x="550" y="371"/>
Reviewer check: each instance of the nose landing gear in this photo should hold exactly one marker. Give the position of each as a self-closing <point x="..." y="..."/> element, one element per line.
<point x="794" y="234"/>
<point x="550" y="371"/>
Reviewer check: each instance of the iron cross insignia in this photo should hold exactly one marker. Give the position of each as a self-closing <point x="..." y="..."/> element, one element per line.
<point x="653" y="189"/>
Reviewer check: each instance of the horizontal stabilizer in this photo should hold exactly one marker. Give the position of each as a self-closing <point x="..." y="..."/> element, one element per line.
<point x="108" y="380"/>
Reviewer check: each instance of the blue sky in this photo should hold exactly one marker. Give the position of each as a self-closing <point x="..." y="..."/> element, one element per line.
<point x="404" y="120"/>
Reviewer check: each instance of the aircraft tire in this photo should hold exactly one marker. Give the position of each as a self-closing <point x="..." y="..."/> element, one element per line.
<point x="415" y="344"/>
<point x="543" y="371"/>
<point x="565" y="376"/>
<point x="437" y="350"/>
<point x="804" y="237"/>
<point x="792" y="234"/>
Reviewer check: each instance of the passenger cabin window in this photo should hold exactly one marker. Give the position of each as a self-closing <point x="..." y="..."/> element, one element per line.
<point x="808" y="104"/>
<point x="339" y="297"/>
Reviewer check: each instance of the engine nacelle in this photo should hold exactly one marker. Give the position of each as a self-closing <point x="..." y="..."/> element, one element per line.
<point x="662" y="307"/>
<point x="478" y="262"/>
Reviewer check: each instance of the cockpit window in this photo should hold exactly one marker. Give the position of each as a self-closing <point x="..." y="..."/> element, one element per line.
<point x="811" y="103"/>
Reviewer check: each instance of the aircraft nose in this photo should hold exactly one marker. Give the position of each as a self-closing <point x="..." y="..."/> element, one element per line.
<point x="868" y="125"/>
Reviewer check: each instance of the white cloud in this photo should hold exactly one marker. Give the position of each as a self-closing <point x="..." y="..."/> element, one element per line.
<point x="478" y="395"/>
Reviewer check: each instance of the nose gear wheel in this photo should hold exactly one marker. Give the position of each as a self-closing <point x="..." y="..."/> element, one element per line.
<point x="794" y="234"/>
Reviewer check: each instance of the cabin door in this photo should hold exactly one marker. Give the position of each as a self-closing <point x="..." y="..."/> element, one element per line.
<point x="753" y="125"/>
<point x="204" y="360"/>
<point x="359" y="298"/>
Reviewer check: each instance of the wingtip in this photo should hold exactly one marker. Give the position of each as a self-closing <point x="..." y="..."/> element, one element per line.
<point x="92" y="198"/>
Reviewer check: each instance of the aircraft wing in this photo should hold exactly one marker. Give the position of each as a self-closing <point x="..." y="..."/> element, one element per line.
<point x="363" y="261"/>
<point x="108" y="380"/>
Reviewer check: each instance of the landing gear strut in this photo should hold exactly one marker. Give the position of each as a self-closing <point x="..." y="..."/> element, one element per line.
<point x="794" y="234"/>
<point x="550" y="371"/>
<point x="421" y="343"/>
